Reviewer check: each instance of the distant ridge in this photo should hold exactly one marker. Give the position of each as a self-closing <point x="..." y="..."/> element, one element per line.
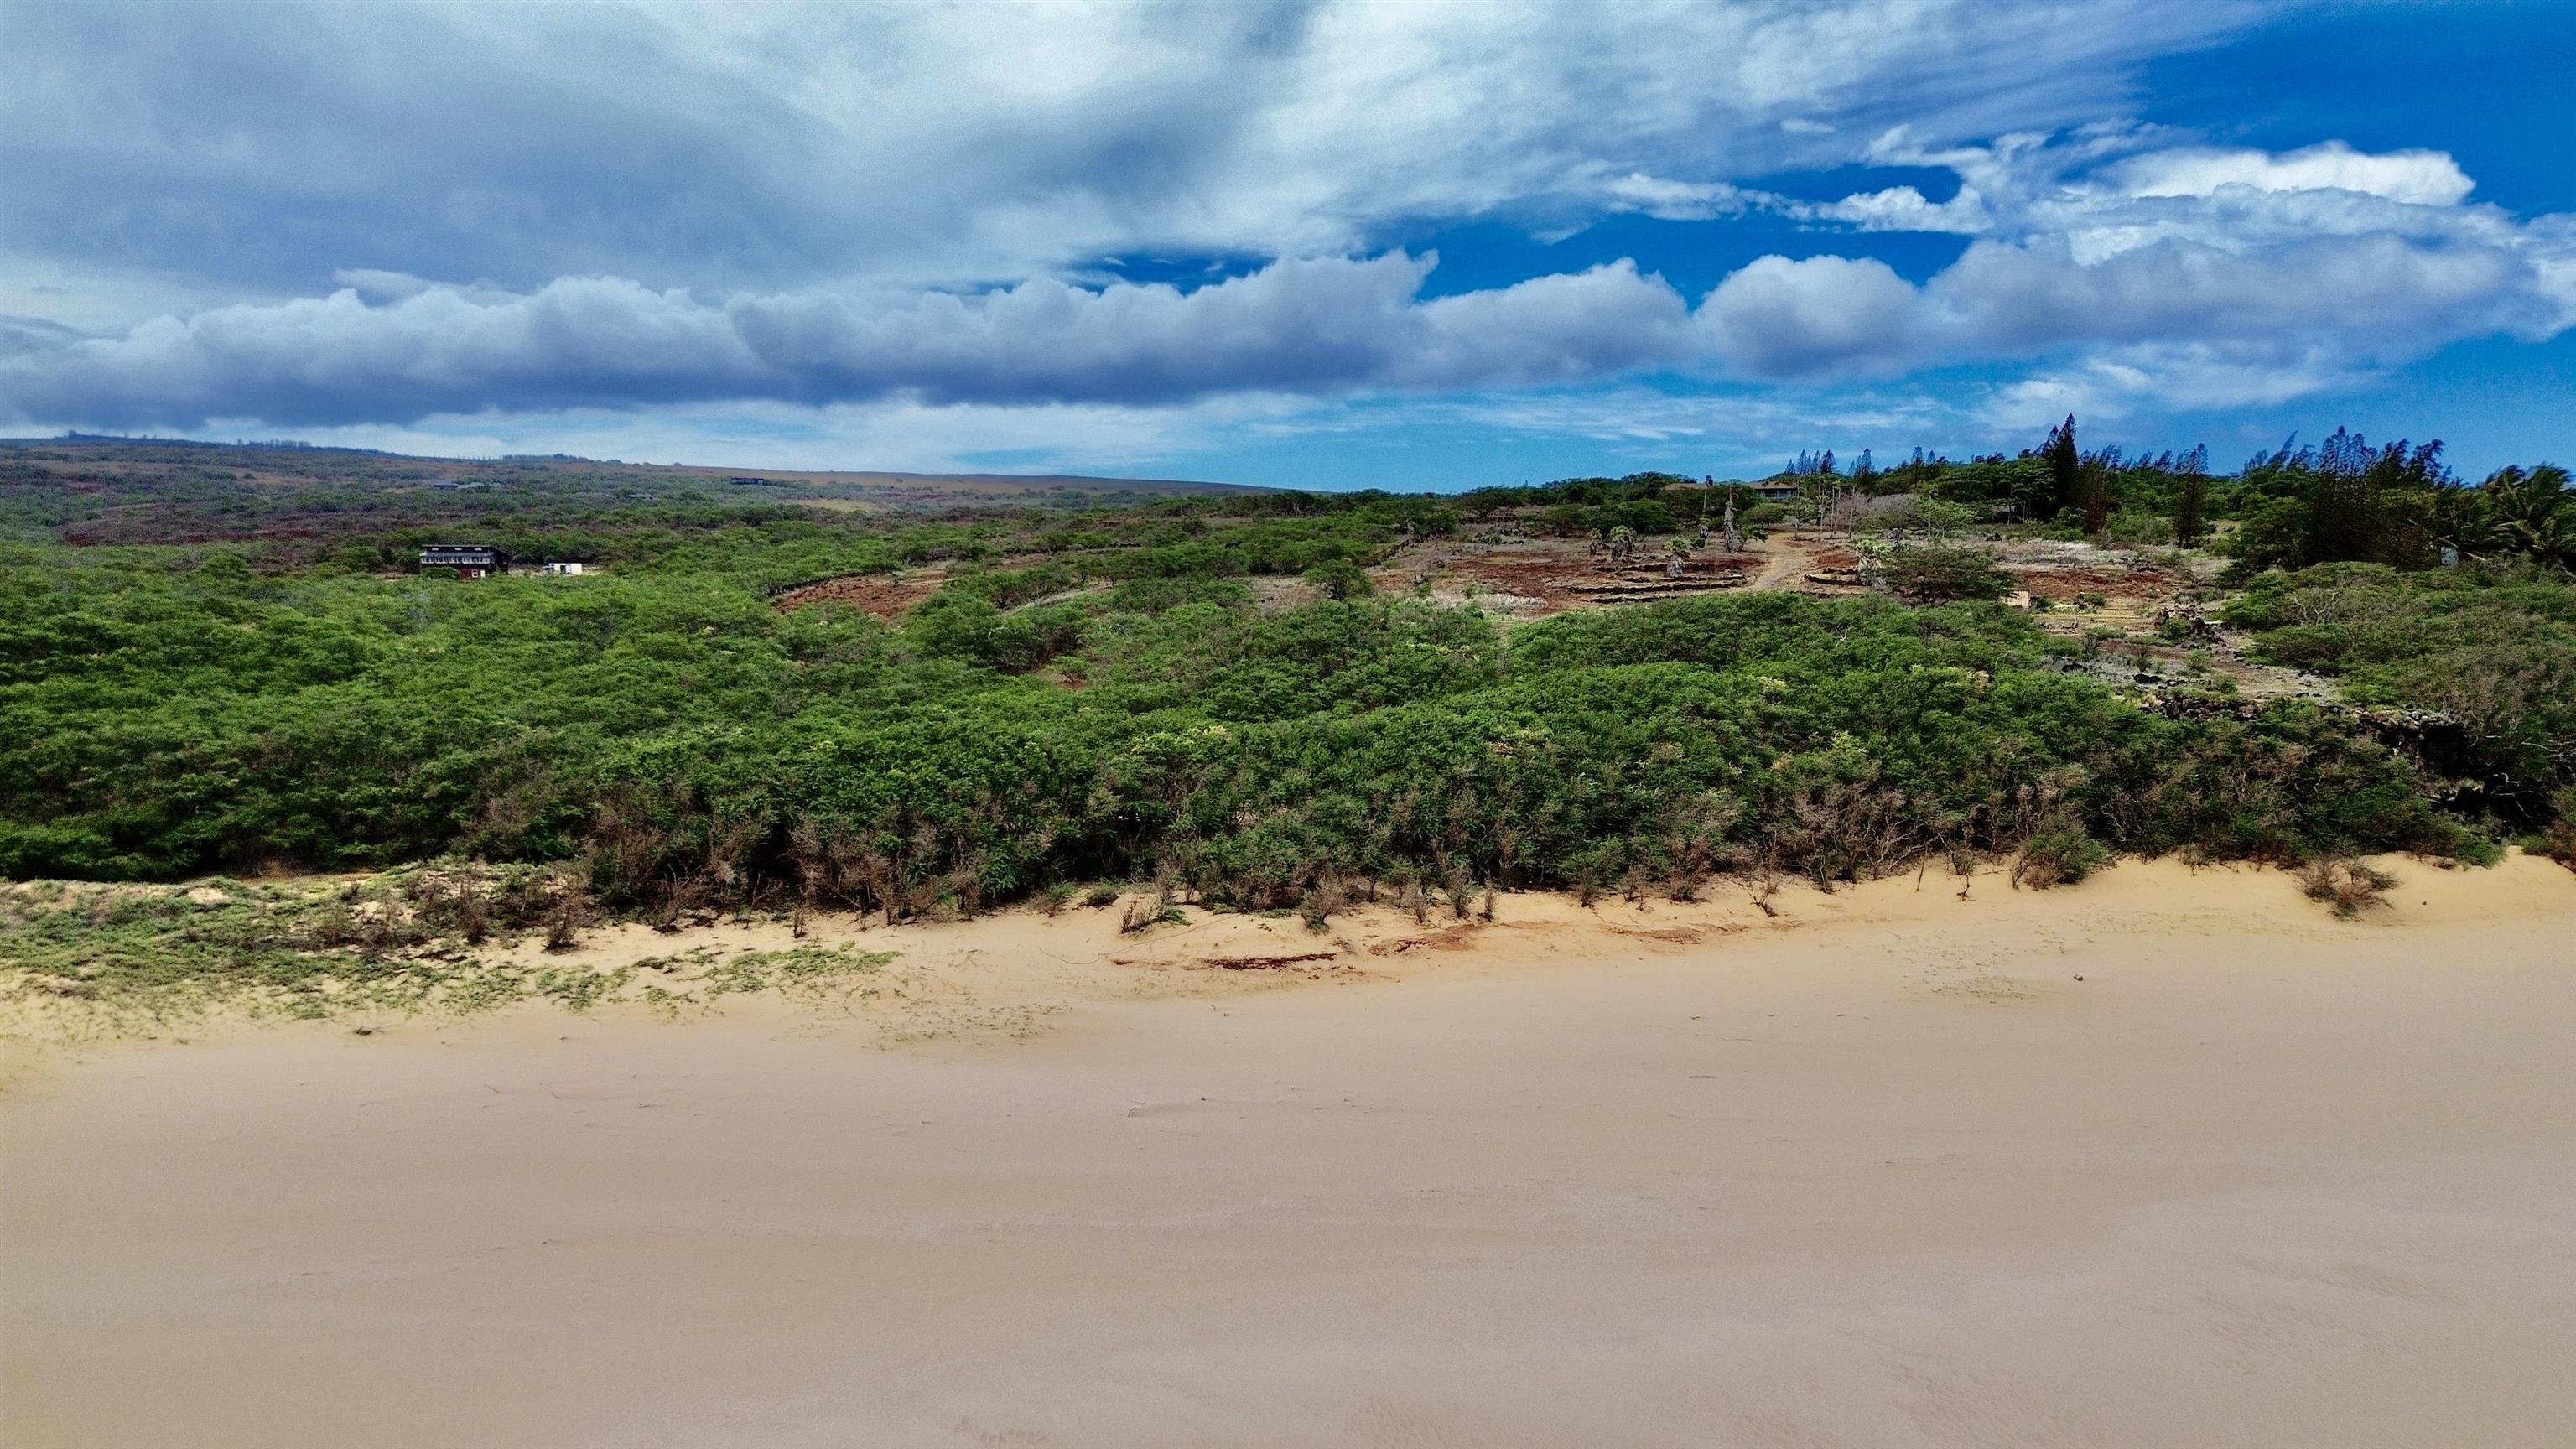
<point x="826" y="480"/>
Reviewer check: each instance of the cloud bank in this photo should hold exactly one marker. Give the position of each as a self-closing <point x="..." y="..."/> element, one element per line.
<point x="2161" y="261"/>
<point x="273" y="214"/>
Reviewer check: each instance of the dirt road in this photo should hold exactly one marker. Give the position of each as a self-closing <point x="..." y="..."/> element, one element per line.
<point x="1788" y="563"/>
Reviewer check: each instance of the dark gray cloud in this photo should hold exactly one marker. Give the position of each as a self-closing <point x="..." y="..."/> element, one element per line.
<point x="271" y="143"/>
<point x="1316" y="327"/>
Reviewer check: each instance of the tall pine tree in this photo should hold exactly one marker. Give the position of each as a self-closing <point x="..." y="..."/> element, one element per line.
<point x="2065" y="464"/>
<point x="2191" y="497"/>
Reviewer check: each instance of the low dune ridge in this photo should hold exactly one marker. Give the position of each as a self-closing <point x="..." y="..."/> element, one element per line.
<point x="2169" y="1156"/>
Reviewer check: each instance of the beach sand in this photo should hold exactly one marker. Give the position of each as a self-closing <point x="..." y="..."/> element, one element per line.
<point x="2167" y="1158"/>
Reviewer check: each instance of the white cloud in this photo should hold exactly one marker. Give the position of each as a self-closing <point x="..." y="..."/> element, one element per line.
<point x="1783" y="318"/>
<point x="2139" y="269"/>
<point x="894" y="435"/>
<point x="2417" y="178"/>
<point x="1904" y="208"/>
<point x="1732" y="420"/>
<point x="1677" y="200"/>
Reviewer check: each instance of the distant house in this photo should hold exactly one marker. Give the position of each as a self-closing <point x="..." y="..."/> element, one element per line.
<point x="745" y="480"/>
<point x="1774" y="491"/>
<point x="470" y="560"/>
<point x="559" y="568"/>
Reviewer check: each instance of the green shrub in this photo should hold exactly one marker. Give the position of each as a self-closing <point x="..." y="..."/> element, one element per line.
<point x="1942" y="574"/>
<point x="2059" y="852"/>
<point x="2137" y="528"/>
<point x="1339" y="579"/>
<point x="700" y="749"/>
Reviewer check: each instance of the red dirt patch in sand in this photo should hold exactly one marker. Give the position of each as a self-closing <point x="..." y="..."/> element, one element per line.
<point x="1266" y="963"/>
<point x="1459" y="937"/>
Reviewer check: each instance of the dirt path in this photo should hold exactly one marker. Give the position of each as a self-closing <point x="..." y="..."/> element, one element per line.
<point x="1789" y="561"/>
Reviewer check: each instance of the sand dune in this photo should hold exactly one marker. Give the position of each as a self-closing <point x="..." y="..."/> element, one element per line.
<point x="2167" y="1158"/>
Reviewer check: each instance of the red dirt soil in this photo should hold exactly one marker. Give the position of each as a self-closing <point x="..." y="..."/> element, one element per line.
<point x="1562" y="575"/>
<point x="2058" y="585"/>
<point x="883" y="595"/>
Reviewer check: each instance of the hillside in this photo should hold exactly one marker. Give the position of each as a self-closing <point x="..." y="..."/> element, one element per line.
<point x="93" y="490"/>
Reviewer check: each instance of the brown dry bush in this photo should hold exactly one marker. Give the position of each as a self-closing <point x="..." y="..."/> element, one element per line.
<point x="1148" y="911"/>
<point x="2558" y="840"/>
<point x="1635" y="884"/>
<point x="563" y="929"/>
<point x="1694" y="842"/>
<point x="2347" y="885"/>
<point x="1846" y="830"/>
<point x="473" y="917"/>
<point x="1322" y="901"/>
<point x="1762" y="878"/>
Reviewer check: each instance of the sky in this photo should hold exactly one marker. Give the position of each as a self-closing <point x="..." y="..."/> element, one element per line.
<point x="1392" y="243"/>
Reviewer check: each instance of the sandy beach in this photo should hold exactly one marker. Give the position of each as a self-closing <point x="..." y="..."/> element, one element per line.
<point x="2167" y="1158"/>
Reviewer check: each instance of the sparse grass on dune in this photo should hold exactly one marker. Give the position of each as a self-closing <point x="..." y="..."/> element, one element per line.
<point x="444" y="939"/>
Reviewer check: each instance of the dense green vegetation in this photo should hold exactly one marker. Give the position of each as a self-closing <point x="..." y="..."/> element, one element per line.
<point x="1098" y="692"/>
<point x="693" y="742"/>
<point x="2340" y="501"/>
<point x="2492" y="649"/>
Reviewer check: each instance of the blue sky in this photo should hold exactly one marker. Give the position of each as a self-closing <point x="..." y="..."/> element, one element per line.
<point x="1319" y="244"/>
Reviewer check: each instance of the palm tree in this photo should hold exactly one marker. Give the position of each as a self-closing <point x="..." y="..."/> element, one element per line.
<point x="2516" y="511"/>
<point x="2533" y="513"/>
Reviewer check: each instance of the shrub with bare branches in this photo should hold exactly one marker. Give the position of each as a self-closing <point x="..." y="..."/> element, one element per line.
<point x="2347" y="885"/>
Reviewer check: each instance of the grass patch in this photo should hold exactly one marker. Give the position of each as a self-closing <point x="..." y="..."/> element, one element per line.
<point x="426" y="939"/>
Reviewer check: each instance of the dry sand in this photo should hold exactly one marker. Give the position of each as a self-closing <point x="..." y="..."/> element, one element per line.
<point x="2164" y="1159"/>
